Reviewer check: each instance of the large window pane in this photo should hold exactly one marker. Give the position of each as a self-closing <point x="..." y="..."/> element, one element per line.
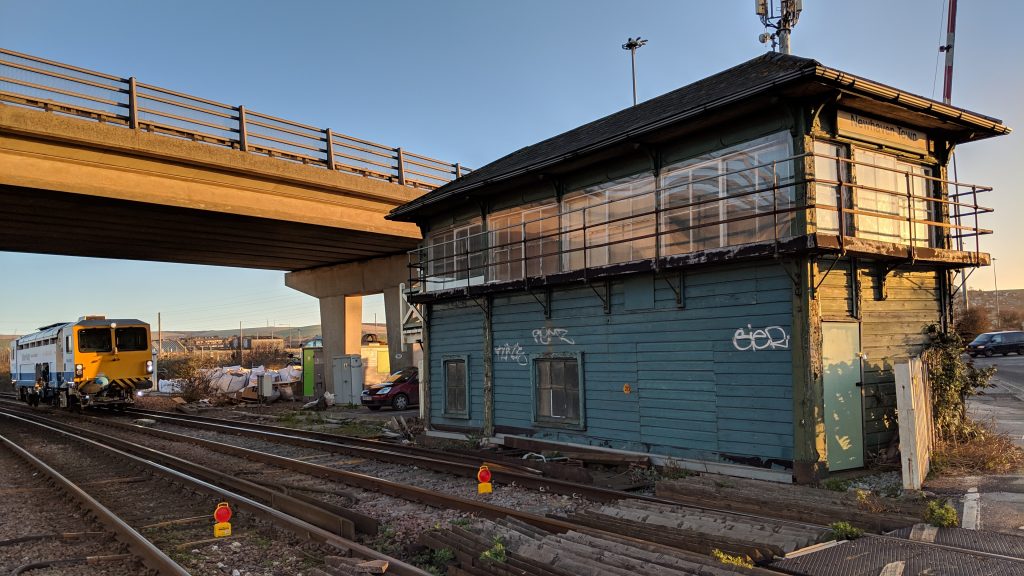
<point x="889" y="190"/>
<point x="455" y="389"/>
<point x="717" y="199"/>
<point x="557" y="390"/>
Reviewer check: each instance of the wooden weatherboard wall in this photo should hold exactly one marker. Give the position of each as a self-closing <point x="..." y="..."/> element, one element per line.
<point x="894" y="324"/>
<point x="896" y="327"/>
<point x="711" y="379"/>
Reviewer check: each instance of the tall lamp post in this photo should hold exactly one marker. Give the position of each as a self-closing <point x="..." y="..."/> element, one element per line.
<point x="632" y="44"/>
<point x="995" y="282"/>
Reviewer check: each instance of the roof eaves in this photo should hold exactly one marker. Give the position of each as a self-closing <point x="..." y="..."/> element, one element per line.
<point x="912" y="101"/>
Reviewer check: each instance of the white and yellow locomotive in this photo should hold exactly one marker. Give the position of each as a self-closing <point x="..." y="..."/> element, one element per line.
<point x="92" y="362"/>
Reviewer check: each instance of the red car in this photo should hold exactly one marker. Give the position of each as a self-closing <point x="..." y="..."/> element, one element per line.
<point x="400" y="390"/>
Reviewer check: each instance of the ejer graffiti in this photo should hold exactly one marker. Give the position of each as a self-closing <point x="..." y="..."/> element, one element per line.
<point x="545" y="335"/>
<point x="511" y="352"/>
<point x="767" y="338"/>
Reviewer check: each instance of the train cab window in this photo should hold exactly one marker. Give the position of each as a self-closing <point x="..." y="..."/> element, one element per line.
<point x="131" y="339"/>
<point x="94" y="340"/>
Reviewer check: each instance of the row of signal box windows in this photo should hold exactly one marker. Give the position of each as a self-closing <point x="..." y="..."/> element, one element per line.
<point x="738" y="195"/>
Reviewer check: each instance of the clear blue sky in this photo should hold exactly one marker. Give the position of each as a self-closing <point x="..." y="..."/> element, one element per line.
<point x="470" y="81"/>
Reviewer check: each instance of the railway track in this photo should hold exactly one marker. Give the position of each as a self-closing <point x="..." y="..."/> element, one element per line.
<point x="758" y="536"/>
<point x="45" y="525"/>
<point x="165" y="514"/>
<point x="624" y="529"/>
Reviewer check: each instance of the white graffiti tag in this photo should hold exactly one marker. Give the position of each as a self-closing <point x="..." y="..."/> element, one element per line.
<point x="511" y="352"/>
<point x="545" y="335"/>
<point x="768" y="338"/>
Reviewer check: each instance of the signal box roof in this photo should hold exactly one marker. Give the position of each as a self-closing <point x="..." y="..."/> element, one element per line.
<point x="745" y="88"/>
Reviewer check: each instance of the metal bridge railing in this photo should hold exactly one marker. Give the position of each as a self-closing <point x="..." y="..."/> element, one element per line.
<point x="757" y="204"/>
<point x="61" y="88"/>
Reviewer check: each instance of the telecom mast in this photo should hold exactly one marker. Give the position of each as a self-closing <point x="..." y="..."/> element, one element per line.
<point x="781" y="18"/>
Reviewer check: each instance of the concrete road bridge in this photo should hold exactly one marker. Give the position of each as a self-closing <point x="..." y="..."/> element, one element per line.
<point x="98" y="165"/>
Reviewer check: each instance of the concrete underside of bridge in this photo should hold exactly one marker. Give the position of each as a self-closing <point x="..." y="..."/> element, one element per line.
<point x="69" y="186"/>
<point x="74" y="187"/>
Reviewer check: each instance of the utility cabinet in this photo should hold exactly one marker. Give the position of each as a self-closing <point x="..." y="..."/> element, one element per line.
<point x="312" y="373"/>
<point x="348" y="378"/>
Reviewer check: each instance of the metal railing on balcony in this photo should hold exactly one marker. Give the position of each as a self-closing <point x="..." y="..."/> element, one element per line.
<point x="61" y="88"/>
<point x="759" y="204"/>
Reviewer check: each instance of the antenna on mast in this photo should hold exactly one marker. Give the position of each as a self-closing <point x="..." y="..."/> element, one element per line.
<point x="781" y="18"/>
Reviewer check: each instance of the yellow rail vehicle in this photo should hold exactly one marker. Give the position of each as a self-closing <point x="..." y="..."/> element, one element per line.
<point x="92" y="362"/>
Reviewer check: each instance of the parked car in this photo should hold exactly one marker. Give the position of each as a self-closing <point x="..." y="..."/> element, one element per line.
<point x="991" y="343"/>
<point x="400" y="390"/>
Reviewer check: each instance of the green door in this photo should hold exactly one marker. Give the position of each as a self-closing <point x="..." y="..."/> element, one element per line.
<point x="844" y="418"/>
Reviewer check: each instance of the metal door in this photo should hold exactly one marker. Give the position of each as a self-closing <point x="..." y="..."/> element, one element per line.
<point x="844" y="417"/>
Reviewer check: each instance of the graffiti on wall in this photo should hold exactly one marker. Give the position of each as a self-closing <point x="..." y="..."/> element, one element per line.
<point x="547" y="335"/>
<point x="511" y="352"/>
<point x="767" y="338"/>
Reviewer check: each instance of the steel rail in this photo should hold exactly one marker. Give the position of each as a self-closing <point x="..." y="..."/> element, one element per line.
<point x="429" y="497"/>
<point x="562" y="525"/>
<point x="158" y="462"/>
<point x="493" y="511"/>
<point x="425" y="458"/>
<point x="152" y="557"/>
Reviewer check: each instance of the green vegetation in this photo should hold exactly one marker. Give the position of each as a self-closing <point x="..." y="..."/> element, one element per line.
<point x="836" y="485"/>
<point x="730" y="560"/>
<point x="941" y="514"/>
<point x="953" y="380"/>
<point x="845" y="531"/>
<point x="495" y="553"/>
<point x="191" y="370"/>
<point x="963" y="446"/>
<point x="434" y="561"/>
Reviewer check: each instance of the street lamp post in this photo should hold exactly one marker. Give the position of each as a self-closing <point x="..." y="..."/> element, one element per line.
<point x="995" y="282"/>
<point x="632" y="44"/>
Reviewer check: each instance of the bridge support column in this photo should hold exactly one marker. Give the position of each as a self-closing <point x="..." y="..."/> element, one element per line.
<point x="341" y="325"/>
<point x="398" y="350"/>
<point x="337" y="287"/>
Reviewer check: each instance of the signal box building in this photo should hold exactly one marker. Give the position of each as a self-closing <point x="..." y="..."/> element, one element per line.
<point x="723" y="274"/>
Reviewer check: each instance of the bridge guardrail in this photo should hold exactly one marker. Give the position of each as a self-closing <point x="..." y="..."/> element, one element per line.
<point x="34" y="82"/>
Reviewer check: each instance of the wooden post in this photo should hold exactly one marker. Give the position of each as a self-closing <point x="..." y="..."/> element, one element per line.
<point x="488" y="430"/>
<point x="425" y="368"/>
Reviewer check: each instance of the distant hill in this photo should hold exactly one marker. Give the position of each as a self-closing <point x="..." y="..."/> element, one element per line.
<point x="292" y="335"/>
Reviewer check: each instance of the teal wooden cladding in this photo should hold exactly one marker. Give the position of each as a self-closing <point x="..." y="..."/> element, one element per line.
<point x="706" y="381"/>
<point x="457" y="333"/>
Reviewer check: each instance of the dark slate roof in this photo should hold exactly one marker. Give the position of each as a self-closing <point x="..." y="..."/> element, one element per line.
<point x="737" y="83"/>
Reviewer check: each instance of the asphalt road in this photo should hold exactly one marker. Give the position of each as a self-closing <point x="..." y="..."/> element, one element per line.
<point x="1002" y="405"/>
<point x="1009" y="377"/>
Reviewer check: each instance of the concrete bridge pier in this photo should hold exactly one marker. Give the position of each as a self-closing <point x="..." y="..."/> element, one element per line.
<point x="340" y="289"/>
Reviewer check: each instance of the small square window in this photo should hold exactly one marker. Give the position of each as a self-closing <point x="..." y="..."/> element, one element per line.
<point x="558" y="397"/>
<point x="456" y="388"/>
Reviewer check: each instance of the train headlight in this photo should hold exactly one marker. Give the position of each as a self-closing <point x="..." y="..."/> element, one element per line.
<point x="149" y="366"/>
<point x="79" y="370"/>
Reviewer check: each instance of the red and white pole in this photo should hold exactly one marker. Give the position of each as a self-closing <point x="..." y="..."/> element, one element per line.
<point x="947" y="84"/>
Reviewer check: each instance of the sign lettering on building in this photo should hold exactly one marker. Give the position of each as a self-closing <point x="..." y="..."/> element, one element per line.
<point x="866" y="128"/>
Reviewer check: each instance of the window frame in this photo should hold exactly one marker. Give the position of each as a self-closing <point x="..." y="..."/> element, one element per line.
<point x="552" y="422"/>
<point x="464" y="359"/>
